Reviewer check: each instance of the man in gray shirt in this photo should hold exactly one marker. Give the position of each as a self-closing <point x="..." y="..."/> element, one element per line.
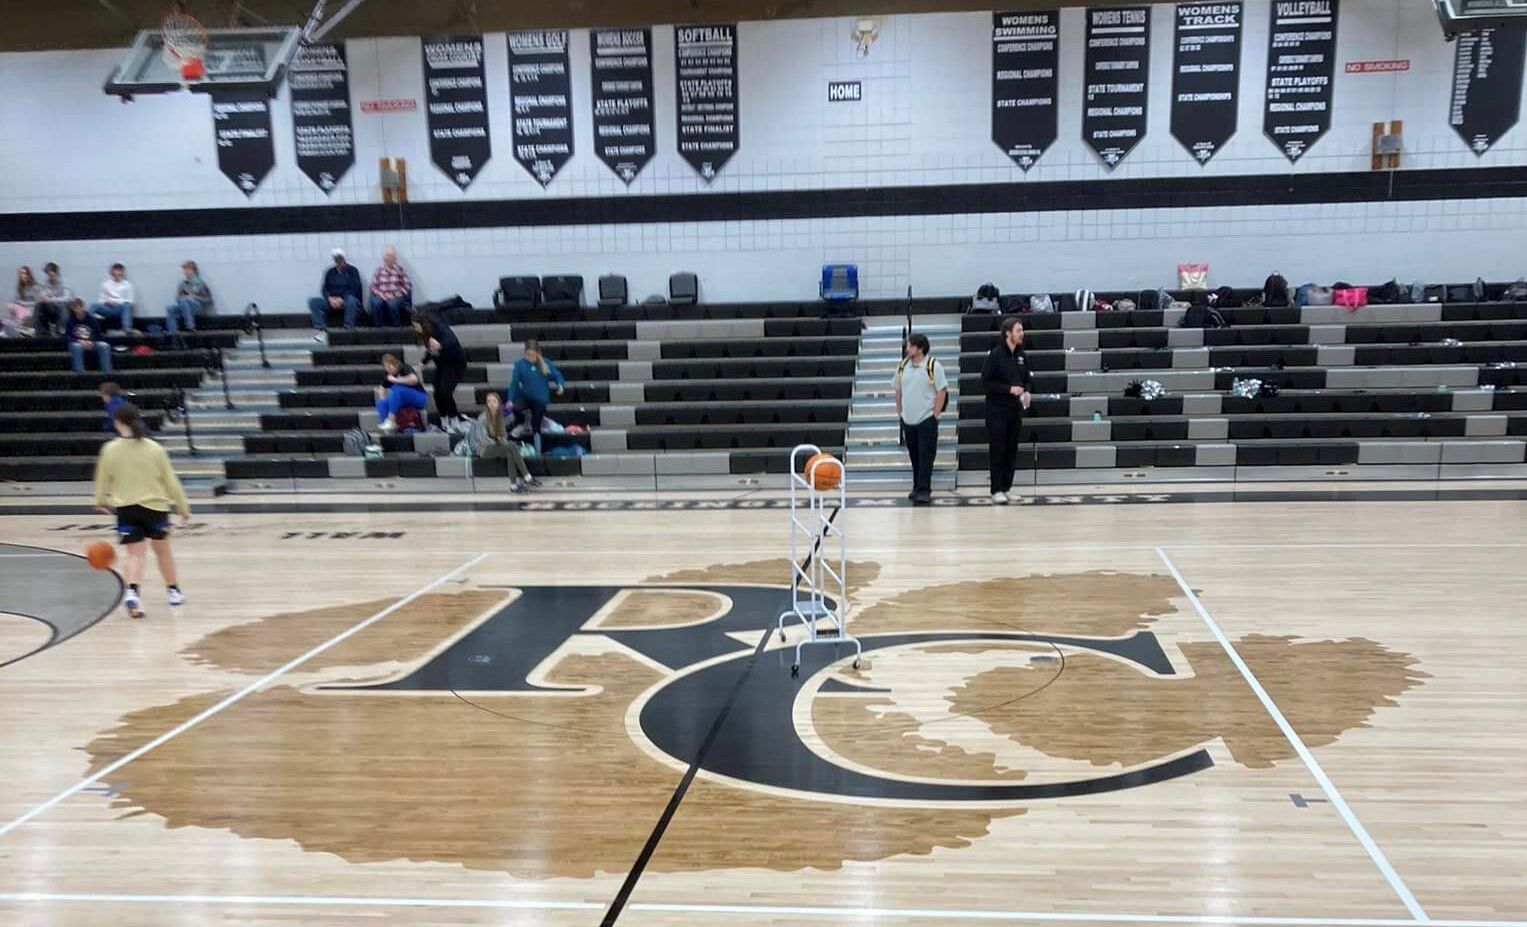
<point x="56" y="297"/>
<point x="922" y="391"/>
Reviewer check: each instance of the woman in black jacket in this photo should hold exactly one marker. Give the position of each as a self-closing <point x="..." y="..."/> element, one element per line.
<point x="443" y="347"/>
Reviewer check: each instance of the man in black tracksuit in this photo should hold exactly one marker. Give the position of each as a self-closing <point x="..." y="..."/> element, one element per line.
<point x="1005" y="377"/>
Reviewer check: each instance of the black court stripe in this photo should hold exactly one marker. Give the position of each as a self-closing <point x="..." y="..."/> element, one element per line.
<point x="653" y="839"/>
<point x="1188" y="191"/>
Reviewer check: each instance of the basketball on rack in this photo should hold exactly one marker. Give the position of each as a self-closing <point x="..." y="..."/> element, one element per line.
<point x="100" y="554"/>
<point x="823" y="471"/>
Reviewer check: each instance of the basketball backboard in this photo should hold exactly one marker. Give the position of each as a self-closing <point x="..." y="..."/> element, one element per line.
<point x="235" y="61"/>
<point x="1468" y="15"/>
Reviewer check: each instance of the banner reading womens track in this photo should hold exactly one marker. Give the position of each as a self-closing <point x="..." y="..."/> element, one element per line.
<point x="1301" y="74"/>
<point x="1487" y="85"/>
<point x="1206" y="76"/>
<point x="1024" y="65"/>
<point x="246" y="151"/>
<point x="456" y="101"/>
<point x="541" y="99"/>
<point x="1117" y="75"/>
<point x="705" y="60"/>
<point x="624" y="129"/>
<point x="321" y="127"/>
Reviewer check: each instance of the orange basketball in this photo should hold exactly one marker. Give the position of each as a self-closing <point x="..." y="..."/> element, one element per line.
<point x="101" y="555"/>
<point x="827" y="475"/>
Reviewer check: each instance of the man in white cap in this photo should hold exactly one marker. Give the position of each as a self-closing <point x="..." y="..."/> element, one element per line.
<point x="341" y="290"/>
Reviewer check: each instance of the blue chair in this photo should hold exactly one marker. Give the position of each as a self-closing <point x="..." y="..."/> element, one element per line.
<point x="840" y="282"/>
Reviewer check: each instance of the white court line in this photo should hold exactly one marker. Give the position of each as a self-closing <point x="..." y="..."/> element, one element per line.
<point x="237" y="696"/>
<point x="1324" y="781"/>
<point x="1199" y="920"/>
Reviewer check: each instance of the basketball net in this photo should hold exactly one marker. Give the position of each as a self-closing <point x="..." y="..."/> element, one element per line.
<point x="185" y="42"/>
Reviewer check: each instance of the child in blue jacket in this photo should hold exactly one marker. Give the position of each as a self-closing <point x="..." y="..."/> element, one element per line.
<point x="531" y="384"/>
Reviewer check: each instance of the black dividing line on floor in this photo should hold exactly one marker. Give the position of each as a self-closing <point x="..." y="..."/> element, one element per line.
<point x="618" y="904"/>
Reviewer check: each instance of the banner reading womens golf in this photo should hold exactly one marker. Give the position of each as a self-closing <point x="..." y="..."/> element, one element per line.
<point x="1024" y="65"/>
<point x="541" y="100"/>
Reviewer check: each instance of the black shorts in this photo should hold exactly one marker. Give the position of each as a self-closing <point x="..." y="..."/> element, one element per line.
<point x="135" y="523"/>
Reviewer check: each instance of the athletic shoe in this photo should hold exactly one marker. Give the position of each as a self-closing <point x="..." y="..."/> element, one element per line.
<point x="999" y="498"/>
<point x="176" y="597"/>
<point x="320" y="337"/>
<point x="387" y="427"/>
<point x="133" y="603"/>
<point x="519" y="488"/>
<point x="534" y="482"/>
<point x="922" y="499"/>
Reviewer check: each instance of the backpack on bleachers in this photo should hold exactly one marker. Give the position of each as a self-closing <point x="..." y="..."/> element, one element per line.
<point x="1225" y="298"/>
<point x="1275" y="292"/>
<point x="1202" y="316"/>
<point x="1041" y="302"/>
<point x="1516" y="292"/>
<point x="988" y="299"/>
<point x="1386" y="295"/>
<point x="355" y="442"/>
<point x="1149" y="300"/>
<point x="1086" y="301"/>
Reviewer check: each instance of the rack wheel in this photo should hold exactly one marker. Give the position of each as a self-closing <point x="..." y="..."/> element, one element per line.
<point x="856" y="663"/>
<point x="782" y="634"/>
<point x="795" y="670"/>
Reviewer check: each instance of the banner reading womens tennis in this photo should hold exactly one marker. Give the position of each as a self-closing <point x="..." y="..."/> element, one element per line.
<point x="623" y="120"/>
<point x="245" y="150"/>
<point x="1117" y="88"/>
<point x="1206" y="72"/>
<point x="1301" y="74"/>
<point x="457" y="113"/>
<point x="541" y="99"/>
<point x="705" y="60"/>
<point x="320" y="83"/>
<point x="1487" y="84"/>
<point x="1024" y="63"/>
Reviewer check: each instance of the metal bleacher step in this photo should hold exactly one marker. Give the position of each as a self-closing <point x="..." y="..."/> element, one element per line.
<point x="218" y="445"/>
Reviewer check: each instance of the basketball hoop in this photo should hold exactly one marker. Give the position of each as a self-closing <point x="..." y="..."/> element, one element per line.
<point x="185" y="42"/>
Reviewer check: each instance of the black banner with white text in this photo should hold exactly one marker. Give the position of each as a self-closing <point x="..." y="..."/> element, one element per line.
<point x="1301" y="74"/>
<point x="541" y="101"/>
<point x="1025" y="62"/>
<point x="321" y="127"/>
<point x="456" y="98"/>
<point x="705" y="62"/>
<point x="624" y="127"/>
<point x="246" y="152"/>
<point x="1487" y="85"/>
<point x="1116" y="90"/>
<point x="1206" y="76"/>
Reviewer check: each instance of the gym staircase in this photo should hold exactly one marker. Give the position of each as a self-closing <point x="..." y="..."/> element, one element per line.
<point x="876" y="459"/>
<point x="217" y="431"/>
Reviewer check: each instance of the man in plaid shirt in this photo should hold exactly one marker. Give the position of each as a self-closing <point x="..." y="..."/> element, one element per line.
<point x="391" y="291"/>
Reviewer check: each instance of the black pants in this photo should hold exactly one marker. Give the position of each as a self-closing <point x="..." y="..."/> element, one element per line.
<point x="922" y="448"/>
<point x="534" y="412"/>
<point x="1003" y="427"/>
<point x="447" y="376"/>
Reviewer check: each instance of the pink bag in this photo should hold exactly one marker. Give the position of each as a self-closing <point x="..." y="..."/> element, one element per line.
<point x="1355" y="297"/>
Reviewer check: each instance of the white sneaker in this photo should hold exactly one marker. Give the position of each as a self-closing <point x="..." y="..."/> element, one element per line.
<point x="321" y="337"/>
<point x="133" y="603"/>
<point x="176" y="597"/>
<point x="387" y="427"/>
<point x="999" y="498"/>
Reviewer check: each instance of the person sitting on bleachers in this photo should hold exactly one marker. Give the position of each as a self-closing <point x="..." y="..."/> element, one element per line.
<point x="53" y="308"/>
<point x="530" y="385"/>
<point x="111" y="401"/>
<point x="116" y="300"/>
<point x="341" y="290"/>
<point x="401" y="389"/>
<point x="23" y="308"/>
<point x="391" y="291"/>
<point x="82" y="335"/>
<point x="192" y="296"/>
<point x="489" y="439"/>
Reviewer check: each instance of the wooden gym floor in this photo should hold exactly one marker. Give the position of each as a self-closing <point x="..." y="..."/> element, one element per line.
<point x="565" y="718"/>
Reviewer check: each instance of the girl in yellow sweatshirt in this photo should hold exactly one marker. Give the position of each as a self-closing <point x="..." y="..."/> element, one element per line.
<point x="134" y="480"/>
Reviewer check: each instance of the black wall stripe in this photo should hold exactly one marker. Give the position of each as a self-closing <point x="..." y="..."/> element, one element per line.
<point x="948" y="199"/>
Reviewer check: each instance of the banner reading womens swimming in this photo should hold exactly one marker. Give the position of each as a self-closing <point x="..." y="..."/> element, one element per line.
<point x="1487" y="85"/>
<point x="456" y="106"/>
<point x="705" y="60"/>
<point x="624" y="129"/>
<point x="541" y="100"/>
<point x="1206" y="75"/>
<point x="321" y="127"/>
<point x="245" y="150"/>
<point x="1024" y="64"/>
<point x="1116" y="92"/>
<point x="1301" y="74"/>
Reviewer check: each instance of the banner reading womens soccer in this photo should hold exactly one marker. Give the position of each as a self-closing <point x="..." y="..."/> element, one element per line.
<point x="624" y="129"/>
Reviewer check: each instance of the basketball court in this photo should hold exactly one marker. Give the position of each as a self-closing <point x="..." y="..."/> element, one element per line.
<point x="1160" y="712"/>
